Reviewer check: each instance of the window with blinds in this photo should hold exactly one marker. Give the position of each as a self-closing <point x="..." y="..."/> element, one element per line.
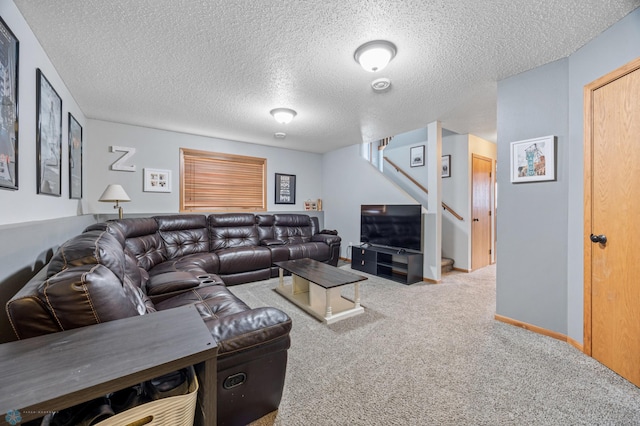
<point x="211" y="181"/>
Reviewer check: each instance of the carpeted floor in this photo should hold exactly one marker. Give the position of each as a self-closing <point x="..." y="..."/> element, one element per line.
<point x="433" y="355"/>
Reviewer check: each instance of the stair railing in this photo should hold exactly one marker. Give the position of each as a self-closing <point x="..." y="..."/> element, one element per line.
<point x="426" y="191"/>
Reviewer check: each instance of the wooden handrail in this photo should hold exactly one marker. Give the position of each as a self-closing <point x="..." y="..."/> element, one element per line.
<point x="426" y="191"/>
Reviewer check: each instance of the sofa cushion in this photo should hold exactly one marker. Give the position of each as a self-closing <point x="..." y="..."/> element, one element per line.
<point x="316" y="251"/>
<point x="148" y="250"/>
<point x="197" y="264"/>
<point x="292" y="228"/>
<point x="232" y="230"/>
<point x="183" y="234"/>
<point x="264" y="223"/>
<point x="243" y="259"/>
<point x="85" y="295"/>
<point x="212" y="302"/>
<point x="89" y="248"/>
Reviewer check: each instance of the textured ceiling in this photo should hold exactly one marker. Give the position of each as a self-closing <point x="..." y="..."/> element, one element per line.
<point x="216" y="68"/>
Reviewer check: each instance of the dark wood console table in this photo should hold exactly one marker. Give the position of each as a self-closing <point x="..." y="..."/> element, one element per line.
<point x="56" y="371"/>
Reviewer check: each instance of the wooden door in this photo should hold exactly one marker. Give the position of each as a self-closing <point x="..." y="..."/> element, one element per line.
<point x="481" y="212"/>
<point x="612" y="210"/>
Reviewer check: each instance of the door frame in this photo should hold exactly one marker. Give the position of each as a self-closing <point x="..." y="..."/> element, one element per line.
<point x="589" y="89"/>
<point x="492" y="221"/>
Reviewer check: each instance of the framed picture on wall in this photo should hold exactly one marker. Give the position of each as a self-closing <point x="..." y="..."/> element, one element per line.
<point x="156" y="180"/>
<point x="75" y="158"/>
<point x="446" y="166"/>
<point x="285" y="189"/>
<point x="48" y="137"/>
<point x="533" y="160"/>
<point x="417" y="156"/>
<point x="9" y="47"/>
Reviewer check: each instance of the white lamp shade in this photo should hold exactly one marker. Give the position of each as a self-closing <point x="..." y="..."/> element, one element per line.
<point x="375" y="55"/>
<point x="283" y="115"/>
<point x="114" y="193"/>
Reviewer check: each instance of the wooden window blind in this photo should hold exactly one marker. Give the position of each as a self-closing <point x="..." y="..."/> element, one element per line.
<point x="211" y="181"/>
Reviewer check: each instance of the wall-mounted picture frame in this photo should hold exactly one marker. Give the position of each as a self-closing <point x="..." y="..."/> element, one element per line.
<point x="533" y="160"/>
<point x="285" y="189"/>
<point x="157" y="180"/>
<point x="75" y="158"/>
<point x="9" y="58"/>
<point x="446" y="166"/>
<point x="416" y="156"/>
<point x="48" y="137"/>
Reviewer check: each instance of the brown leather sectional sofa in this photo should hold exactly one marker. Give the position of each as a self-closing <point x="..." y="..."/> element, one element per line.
<point x="129" y="267"/>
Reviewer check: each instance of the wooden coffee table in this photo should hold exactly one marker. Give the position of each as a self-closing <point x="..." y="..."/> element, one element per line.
<point x="316" y="288"/>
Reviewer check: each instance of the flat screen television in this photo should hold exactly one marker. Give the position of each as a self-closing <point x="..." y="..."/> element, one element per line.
<point x="392" y="225"/>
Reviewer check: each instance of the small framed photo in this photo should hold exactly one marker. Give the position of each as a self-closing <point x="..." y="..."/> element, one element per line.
<point x="9" y="47"/>
<point x="417" y="156"/>
<point x="75" y="158"/>
<point x="533" y="160"/>
<point x="285" y="189"/>
<point x="48" y="137"/>
<point x="156" y="180"/>
<point x="446" y="166"/>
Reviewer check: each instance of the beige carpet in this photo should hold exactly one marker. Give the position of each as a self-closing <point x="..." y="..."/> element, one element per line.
<point x="433" y="355"/>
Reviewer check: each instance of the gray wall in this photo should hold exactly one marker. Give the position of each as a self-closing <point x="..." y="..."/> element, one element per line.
<point x="532" y="223"/>
<point x="540" y="225"/>
<point x="159" y="149"/>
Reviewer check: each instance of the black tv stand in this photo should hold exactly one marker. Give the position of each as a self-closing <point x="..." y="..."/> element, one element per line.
<point x="391" y="263"/>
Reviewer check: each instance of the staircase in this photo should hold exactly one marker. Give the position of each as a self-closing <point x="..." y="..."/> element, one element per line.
<point x="447" y="265"/>
<point x="374" y="153"/>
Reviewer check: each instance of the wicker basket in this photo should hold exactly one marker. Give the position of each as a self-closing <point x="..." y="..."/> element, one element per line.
<point x="172" y="411"/>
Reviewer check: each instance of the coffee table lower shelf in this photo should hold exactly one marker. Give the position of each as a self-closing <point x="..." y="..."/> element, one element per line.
<point x="326" y="304"/>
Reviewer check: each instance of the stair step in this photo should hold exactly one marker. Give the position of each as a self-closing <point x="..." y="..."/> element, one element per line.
<point x="447" y="265"/>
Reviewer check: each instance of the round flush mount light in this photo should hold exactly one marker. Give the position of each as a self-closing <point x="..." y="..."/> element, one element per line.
<point x="381" y="84"/>
<point x="283" y="115"/>
<point x="279" y="135"/>
<point x="375" y="55"/>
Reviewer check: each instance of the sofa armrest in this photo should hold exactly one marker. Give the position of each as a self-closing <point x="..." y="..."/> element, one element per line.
<point x="249" y="329"/>
<point x="170" y="282"/>
<point x="329" y="239"/>
<point x="271" y="242"/>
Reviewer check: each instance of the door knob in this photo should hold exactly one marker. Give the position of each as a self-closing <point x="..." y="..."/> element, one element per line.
<point x="602" y="239"/>
<point x="475" y="219"/>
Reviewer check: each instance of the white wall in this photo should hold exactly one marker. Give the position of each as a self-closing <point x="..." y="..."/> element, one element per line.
<point x="456" y="193"/>
<point x="24" y="204"/>
<point x="159" y="149"/>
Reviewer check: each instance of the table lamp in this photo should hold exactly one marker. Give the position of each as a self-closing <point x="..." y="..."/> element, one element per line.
<point x="115" y="193"/>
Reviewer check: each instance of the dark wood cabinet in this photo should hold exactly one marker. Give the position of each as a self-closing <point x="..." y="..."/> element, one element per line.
<point x="393" y="264"/>
<point x="56" y="371"/>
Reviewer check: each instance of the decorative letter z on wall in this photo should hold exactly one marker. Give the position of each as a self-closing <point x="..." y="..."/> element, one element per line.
<point x="118" y="164"/>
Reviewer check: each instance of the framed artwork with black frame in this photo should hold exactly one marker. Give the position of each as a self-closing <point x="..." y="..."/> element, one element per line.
<point x="417" y="156"/>
<point x="285" y="189"/>
<point x="446" y="166"/>
<point x="48" y="137"/>
<point x="75" y="158"/>
<point x="9" y="57"/>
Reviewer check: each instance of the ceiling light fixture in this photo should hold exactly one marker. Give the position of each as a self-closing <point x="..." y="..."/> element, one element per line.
<point x="283" y="115"/>
<point x="375" y="55"/>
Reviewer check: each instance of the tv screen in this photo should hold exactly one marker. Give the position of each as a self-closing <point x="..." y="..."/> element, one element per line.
<point x="392" y="225"/>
